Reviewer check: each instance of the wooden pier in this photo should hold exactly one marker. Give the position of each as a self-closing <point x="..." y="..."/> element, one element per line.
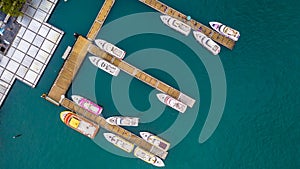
<point x="142" y="76"/>
<point x="114" y="129"/>
<point x="69" y="70"/>
<point x="165" y="9"/>
<point x="103" y="13"/>
<point x="72" y="64"/>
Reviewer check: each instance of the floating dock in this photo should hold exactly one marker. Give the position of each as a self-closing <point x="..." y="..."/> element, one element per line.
<point x="97" y="25"/>
<point x="68" y="72"/>
<point x="80" y="50"/>
<point x="142" y="76"/>
<point x="165" y="9"/>
<point x="114" y="129"/>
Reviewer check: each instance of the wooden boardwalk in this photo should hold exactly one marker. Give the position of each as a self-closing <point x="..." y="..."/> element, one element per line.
<point x="103" y="13"/>
<point x="165" y="9"/>
<point x="67" y="74"/>
<point x="69" y="69"/>
<point x="142" y="76"/>
<point x="114" y="129"/>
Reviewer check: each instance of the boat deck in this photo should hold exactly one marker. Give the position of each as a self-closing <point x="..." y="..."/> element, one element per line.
<point x="165" y="9"/>
<point x="132" y="138"/>
<point x="142" y="76"/>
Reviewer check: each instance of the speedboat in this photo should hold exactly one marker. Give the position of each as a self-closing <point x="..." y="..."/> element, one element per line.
<point x="176" y="24"/>
<point x="170" y="101"/>
<point x="208" y="43"/>
<point x="148" y="157"/>
<point x="80" y="124"/>
<point x="104" y="65"/>
<point x="110" y="48"/>
<point x="156" y="141"/>
<point x="119" y="142"/>
<point x="123" y="121"/>
<point x="225" y="30"/>
<point x="87" y="104"/>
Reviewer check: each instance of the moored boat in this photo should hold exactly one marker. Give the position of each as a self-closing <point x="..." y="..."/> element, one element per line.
<point x="148" y="157"/>
<point x="225" y="30"/>
<point x="208" y="43"/>
<point x="176" y="24"/>
<point x="104" y="65"/>
<point x="156" y="141"/>
<point x="119" y="142"/>
<point x="80" y="124"/>
<point x="87" y="104"/>
<point x="123" y="121"/>
<point x="170" y="101"/>
<point x="110" y="48"/>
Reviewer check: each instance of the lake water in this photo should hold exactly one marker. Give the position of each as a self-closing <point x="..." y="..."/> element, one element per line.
<point x="246" y="113"/>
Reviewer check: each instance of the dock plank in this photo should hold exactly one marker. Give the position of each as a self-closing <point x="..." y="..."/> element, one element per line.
<point x="157" y="5"/>
<point x="142" y="76"/>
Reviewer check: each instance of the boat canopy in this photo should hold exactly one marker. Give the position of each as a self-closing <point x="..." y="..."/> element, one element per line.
<point x="74" y="122"/>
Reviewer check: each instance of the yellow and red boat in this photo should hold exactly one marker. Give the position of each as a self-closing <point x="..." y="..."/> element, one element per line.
<point x="80" y="124"/>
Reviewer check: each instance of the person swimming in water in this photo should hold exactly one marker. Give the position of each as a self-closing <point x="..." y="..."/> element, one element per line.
<point x="17" y="135"/>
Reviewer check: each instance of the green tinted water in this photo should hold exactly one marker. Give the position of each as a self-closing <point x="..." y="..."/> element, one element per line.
<point x="260" y="124"/>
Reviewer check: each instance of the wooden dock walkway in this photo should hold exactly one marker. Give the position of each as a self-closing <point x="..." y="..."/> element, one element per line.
<point x="165" y="9"/>
<point x="115" y="129"/>
<point x="103" y="13"/>
<point x="142" y="76"/>
<point x="69" y="70"/>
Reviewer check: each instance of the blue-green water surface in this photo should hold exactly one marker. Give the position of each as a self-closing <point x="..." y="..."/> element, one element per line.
<point x="260" y="124"/>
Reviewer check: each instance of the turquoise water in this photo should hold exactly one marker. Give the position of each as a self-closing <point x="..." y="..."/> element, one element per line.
<point x="260" y="124"/>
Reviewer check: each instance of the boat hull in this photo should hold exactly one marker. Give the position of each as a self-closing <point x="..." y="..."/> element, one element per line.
<point x="87" y="104"/>
<point x="171" y="102"/>
<point x="123" y="121"/>
<point x="110" y="48"/>
<point x="104" y="65"/>
<point x="156" y="141"/>
<point x="176" y="24"/>
<point x="148" y="157"/>
<point x="80" y="124"/>
<point x="206" y="42"/>
<point x="119" y="142"/>
<point x="225" y="30"/>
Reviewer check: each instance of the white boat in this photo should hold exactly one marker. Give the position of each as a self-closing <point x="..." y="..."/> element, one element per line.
<point x="225" y="30"/>
<point x="123" y="121"/>
<point x="208" y="43"/>
<point x="104" y="65"/>
<point x="170" y="101"/>
<point x="156" y="141"/>
<point x="119" y="142"/>
<point x="87" y="104"/>
<point x="148" y="157"/>
<point x="110" y="48"/>
<point x="176" y="24"/>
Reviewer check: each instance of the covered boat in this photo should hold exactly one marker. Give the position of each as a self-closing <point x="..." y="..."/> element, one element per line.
<point x="225" y="30"/>
<point x="208" y="43"/>
<point x="87" y="104"/>
<point x="170" y="101"/>
<point x="156" y="141"/>
<point x="104" y="65"/>
<point x="119" y="142"/>
<point x="148" y="157"/>
<point x="110" y="48"/>
<point x="123" y="121"/>
<point x="80" y="124"/>
<point x="176" y="24"/>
